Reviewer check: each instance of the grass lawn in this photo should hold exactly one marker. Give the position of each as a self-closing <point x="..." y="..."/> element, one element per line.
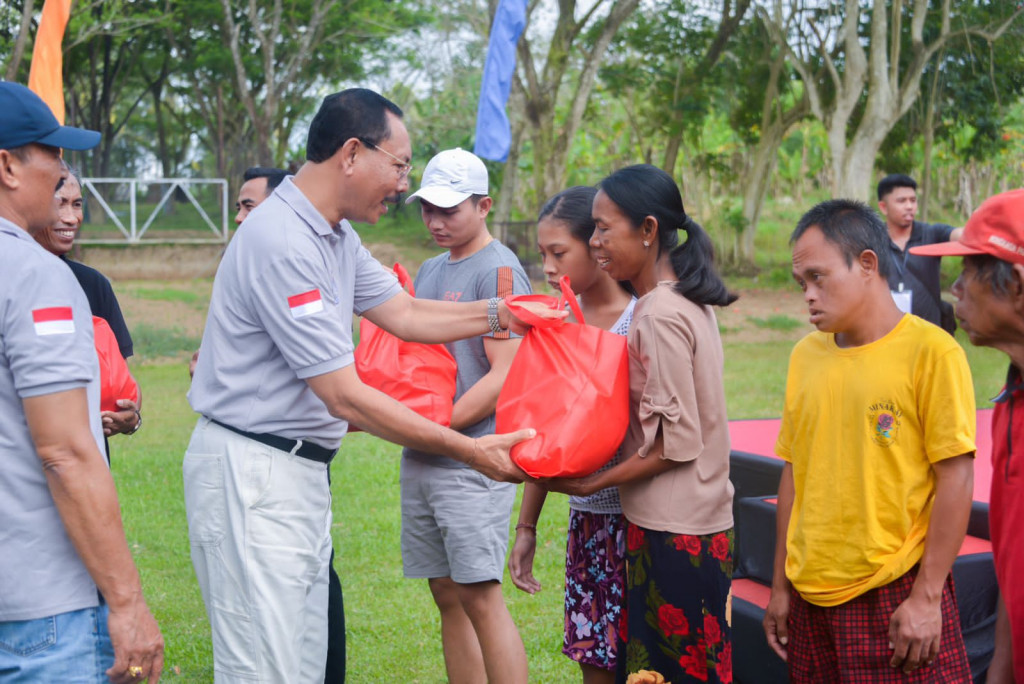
<point x="393" y="627"/>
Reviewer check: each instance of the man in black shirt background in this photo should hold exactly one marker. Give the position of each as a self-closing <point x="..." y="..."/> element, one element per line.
<point x="58" y="239"/>
<point x="914" y="280"/>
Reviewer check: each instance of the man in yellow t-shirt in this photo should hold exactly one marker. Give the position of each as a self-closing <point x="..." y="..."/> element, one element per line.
<point x="878" y="438"/>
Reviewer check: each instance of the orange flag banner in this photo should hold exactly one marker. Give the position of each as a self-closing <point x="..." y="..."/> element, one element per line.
<point x="45" y="77"/>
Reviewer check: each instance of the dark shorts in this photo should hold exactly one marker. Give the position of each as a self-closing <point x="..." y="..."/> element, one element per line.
<point x="849" y="643"/>
<point x="595" y="576"/>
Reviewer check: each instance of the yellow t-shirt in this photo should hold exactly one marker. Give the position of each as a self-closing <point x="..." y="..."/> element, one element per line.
<point x="862" y="427"/>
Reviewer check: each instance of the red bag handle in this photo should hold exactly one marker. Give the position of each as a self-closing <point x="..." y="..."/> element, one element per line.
<point x="527" y="316"/>
<point x="404" y="279"/>
<point x="569" y="297"/>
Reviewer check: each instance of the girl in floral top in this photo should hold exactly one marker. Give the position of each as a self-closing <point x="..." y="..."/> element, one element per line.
<point x="594" y="564"/>
<point x="674" y="478"/>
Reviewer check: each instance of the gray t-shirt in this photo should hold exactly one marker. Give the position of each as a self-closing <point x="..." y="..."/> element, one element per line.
<point x="281" y="312"/>
<point x="46" y="347"/>
<point x="494" y="271"/>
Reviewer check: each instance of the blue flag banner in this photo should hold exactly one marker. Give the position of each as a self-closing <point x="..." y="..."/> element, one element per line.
<point x="493" y="134"/>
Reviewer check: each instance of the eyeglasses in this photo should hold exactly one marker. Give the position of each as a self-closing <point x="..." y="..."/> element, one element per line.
<point x="402" y="167"/>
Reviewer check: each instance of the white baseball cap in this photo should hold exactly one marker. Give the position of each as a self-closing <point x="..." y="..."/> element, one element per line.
<point x="451" y="177"/>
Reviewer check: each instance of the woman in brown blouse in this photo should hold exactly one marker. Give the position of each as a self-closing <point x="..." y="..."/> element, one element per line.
<point x="674" y="485"/>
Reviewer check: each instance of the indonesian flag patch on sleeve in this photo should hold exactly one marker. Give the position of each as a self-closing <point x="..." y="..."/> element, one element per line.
<point x="55" y="320"/>
<point x="305" y="304"/>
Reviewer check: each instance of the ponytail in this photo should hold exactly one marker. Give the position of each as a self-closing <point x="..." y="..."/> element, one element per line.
<point x="644" y="190"/>
<point x="693" y="262"/>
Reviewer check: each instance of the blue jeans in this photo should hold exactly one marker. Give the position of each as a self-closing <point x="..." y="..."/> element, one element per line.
<point x="71" y="647"/>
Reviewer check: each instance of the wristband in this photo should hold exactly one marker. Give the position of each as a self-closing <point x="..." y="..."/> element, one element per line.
<point x="526" y="526"/>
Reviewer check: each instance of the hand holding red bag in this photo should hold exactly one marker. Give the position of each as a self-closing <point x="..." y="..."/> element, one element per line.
<point x="569" y="381"/>
<point x="421" y="376"/>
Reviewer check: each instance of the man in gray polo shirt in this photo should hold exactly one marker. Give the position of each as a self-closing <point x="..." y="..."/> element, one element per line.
<point x="61" y="535"/>
<point x="276" y="388"/>
<point x="259" y="182"/>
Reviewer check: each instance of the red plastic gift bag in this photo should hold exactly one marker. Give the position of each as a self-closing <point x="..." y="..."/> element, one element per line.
<point x="421" y="376"/>
<point x="569" y="381"/>
<point x="116" y="381"/>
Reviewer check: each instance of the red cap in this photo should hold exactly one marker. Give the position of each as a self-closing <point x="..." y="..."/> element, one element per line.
<point x="995" y="228"/>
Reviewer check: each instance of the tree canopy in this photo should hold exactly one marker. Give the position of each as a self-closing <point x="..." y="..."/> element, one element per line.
<point x="738" y="99"/>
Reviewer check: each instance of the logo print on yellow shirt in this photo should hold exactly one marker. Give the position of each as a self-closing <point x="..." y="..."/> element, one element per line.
<point x="884" y="419"/>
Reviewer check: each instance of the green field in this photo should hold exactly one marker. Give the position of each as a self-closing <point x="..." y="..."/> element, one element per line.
<point x="393" y="628"/>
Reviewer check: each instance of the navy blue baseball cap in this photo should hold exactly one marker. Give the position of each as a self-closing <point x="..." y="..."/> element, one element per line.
<point x="25" y="118"/>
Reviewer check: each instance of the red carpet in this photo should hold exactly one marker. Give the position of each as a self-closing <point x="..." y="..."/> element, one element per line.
<point x="758" y="437"/>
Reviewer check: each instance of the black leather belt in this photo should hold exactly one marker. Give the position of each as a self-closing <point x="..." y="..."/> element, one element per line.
<point x="314" y="452"/>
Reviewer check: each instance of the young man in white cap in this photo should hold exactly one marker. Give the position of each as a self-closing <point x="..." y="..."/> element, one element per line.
<point x="454" y="519"/>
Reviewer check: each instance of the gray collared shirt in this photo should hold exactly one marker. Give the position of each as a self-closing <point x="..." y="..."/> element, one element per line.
<point x="46" y="347"/>
<point x="281" y="312"/>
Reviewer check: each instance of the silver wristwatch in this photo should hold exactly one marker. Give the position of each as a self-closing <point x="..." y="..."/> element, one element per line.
<point x="137" y="425"/>
<point x="492" y="314"/>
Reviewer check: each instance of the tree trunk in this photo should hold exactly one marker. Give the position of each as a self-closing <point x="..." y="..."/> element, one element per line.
<point x="672" y="145"/>
<point x="541" y="91"/>
<point x="849" y="63"/>
<point x="766" y="154"/>
<point x="929" y="144"/>
<point x="27" y="10"/>
<point x="156" y="91"/>
<point x="857" y="161"/>
<point x="776" y="121"/>
<point x="509" y="185"/>
<point x="801" y="178"/>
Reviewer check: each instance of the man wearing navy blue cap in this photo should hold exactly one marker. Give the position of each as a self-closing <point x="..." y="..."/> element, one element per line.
<point x="70" y="595"/>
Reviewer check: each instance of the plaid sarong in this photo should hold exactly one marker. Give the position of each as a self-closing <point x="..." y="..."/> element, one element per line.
<point x="849" y="643"/>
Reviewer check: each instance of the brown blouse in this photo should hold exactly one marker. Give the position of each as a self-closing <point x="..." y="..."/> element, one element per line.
<point x="675" y="379"/>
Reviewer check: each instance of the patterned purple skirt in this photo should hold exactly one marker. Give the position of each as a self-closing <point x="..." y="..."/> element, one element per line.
<point x="594" y="579"/>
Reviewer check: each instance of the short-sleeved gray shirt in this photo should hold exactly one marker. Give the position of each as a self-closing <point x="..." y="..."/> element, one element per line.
<point x="494" y="271"/>
<point x="281" y="312"/>
<point x="46" y="347"/>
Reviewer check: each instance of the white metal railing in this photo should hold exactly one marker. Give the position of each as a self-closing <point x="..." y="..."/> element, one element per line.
<point x="133" y="232"/>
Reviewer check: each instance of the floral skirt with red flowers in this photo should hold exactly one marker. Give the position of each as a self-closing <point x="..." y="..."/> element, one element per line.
<point x="677" y="591"/>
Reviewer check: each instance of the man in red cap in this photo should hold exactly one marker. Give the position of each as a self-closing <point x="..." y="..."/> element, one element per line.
<point x="990" y="307"/>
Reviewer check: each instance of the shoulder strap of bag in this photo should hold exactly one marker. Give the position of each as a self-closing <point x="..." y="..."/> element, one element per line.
<point x="569" y="297"/>
<point x="404" y="279"/>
